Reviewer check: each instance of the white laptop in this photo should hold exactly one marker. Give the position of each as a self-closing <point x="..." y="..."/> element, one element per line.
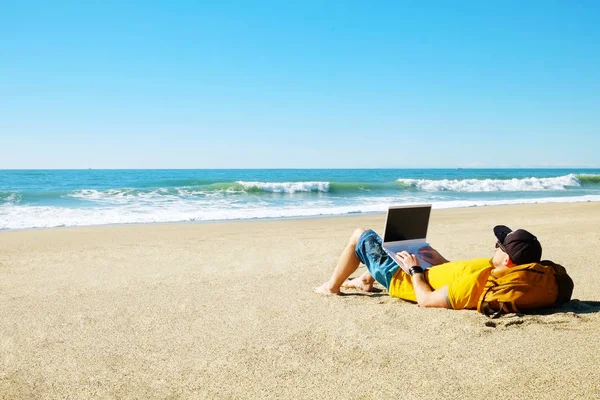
<point x="406" y="229"/>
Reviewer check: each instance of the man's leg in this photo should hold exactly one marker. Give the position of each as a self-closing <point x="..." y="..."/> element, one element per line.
<point x="364" y="282"/>
<point x="347" y="264"/>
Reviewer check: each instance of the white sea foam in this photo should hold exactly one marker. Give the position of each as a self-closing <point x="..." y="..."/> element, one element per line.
<point x="114" y="196"/>
<point x="126" y="196"/>
<point x="20" y="216"/>
<point x="494" y="185"/>
<point x="286" y="187"/>
<point x="12" y="198"/>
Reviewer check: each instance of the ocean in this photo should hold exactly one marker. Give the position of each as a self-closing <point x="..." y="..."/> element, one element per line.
<point x="53" y="198"/>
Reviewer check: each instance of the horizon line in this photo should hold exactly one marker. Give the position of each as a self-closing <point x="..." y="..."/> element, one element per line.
<point x="294" y="168"/>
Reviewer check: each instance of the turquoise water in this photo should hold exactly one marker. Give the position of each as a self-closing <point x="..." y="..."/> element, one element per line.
<point x="48" y="198"/>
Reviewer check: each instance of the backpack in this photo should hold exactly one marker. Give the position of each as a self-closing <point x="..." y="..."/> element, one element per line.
<point x="525" y="288"/>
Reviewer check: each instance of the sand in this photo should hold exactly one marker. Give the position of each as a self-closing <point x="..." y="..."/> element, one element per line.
<point x="226" y="310"/>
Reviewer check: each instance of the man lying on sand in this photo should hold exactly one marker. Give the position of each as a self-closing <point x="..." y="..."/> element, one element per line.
<point x="457" y="284"/>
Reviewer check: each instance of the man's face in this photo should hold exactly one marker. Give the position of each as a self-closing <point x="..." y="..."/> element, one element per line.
<point x="500" y="258"/>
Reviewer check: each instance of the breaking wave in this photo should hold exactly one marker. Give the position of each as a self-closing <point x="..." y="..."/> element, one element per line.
<point x="500" y="185"/>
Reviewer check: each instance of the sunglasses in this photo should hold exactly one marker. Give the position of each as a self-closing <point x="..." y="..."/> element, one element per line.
<point x="500" y="246"/>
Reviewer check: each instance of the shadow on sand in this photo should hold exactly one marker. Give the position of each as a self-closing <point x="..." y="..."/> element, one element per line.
<point x="375" y="293"/>
<point x="574" y="306"/>
<point x="561" y="316"/>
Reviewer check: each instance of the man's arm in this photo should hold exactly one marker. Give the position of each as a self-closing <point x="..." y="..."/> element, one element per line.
<point x="426" y="296"/>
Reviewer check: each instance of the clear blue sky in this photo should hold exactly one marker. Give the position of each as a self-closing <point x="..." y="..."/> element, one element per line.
<point x="267" y="84"/>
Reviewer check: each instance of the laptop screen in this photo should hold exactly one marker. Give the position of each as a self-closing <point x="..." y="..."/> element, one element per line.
<point x="406" y="223"/>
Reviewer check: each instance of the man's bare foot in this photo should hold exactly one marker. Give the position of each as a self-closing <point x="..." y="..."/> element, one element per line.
<point x="326" y="290"/>
<point x="360" y="284"/>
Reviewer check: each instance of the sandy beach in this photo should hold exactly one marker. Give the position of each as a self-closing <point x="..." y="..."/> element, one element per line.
<point x="227" y="310"/>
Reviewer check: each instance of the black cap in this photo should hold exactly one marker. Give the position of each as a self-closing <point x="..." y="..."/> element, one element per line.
<point x="521" y="246"/>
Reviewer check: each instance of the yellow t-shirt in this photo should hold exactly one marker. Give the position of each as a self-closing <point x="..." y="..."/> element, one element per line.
<point x="465" y="279"/>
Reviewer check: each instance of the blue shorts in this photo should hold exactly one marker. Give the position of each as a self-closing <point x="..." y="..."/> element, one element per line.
<point x="369" y="251"/>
